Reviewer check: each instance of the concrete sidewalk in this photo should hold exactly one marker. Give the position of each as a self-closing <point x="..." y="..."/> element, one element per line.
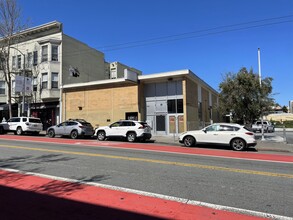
<point x="275" y="143"/>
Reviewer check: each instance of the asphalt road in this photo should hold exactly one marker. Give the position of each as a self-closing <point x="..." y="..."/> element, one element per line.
<point x="246" y="184"/>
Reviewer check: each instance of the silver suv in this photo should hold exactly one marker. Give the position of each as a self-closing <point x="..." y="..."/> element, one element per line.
<point x="129" y="129"/>
<point x="73" y="127"/>
<point x="20" y="125"/>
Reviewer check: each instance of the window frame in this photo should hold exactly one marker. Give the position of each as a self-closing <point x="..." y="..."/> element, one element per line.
<point x="44" y="82"/>
<point x="18" y="62"/>
<point x="44" y="53"/>
<point x="54" y="54"/>
<point x="54" y="83"/>
<point x="2" y="87"/>
<point x="35" y="58"/>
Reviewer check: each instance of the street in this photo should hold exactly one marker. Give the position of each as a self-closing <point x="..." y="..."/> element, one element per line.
<point x="249" y="184"/>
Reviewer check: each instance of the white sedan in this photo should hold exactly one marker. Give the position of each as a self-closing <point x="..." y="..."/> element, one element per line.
<point x="234" y="135"/>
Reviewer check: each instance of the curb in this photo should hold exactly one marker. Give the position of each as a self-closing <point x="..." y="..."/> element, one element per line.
<point x="257" y="148"/>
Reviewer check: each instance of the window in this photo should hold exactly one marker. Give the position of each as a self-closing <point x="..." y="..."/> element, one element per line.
<point x="35" y="84"/>
<point x="44" y="80"/>
<point x="14" y="62"/>
<point x="2" y="87"/>
<point x="18" y="61"/>
<point x="175" y="106"/>
<point x="179" y="105"/>
<point x="54" y="53"/>
<point x="200" y="111"/>
<point x="29" y="59"/>
<point x="213" y="128"/>
<point x="35" y="61"/>
<point x="14" y="120"/>
<point x="171" y="106"/>
<point x="44" y="53"/>
<point x="54" y="78"/>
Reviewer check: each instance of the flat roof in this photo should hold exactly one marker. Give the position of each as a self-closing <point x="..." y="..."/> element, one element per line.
<point x="155" y="77"/>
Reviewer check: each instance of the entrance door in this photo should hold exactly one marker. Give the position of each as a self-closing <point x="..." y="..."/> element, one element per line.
<point x="161" y="124"/>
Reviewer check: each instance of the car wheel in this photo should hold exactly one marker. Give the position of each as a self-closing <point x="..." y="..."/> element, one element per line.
<point x="74" y="134"/>
<point x="189" y="141"/>
<point x="238" y="144"/>
<point x="51" y="133"/>
<point x="131" y="136"/>
<point x="101" y="136"/>
<point x="19" y="131"/>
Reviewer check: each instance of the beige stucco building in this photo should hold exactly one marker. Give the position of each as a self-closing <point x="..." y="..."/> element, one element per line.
<point x="171" y="102"/>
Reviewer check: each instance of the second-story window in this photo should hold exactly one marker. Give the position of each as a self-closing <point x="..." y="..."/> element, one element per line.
<point x="54" y="78"/>
<point x="44" y="80"/>
<point x="18" y="61"/>
<point x="29" y="60"/>
<point x="14" y="62"/>
<point x="2" y="87"/>
<point x="35" y="61"/>
<point x="54" y="53"/>
<point x="35" y="83"/>
<point x="45" y="53"/>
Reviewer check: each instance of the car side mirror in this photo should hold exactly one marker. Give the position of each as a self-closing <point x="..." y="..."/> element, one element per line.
<point x="204" y="130"/>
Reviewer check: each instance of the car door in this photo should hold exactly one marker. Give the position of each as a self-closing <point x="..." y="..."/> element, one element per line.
<point x="226" y="134"/>
<point x="13" y="123"/>
<point x="210" y="134"/>
<point x="70" y="125"/>
<point x="60" y="128"/>
<point x="114" y="129"/>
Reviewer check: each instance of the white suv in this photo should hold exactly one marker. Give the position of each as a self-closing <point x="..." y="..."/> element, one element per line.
<point x="129" y="129"/>
<point x="20" y="125"/>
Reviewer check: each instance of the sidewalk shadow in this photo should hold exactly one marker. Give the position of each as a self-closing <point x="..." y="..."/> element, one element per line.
<point x="20" y="204"/>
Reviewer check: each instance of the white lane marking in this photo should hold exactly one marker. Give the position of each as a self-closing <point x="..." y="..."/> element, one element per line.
<point x="156" y="195"/>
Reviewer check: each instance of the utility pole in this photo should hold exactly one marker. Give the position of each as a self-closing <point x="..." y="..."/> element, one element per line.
<point x="261" y="115"/>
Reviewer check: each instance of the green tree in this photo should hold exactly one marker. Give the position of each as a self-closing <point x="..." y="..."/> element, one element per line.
<point x="285" y="109"/>
<point x="242" y="95"/>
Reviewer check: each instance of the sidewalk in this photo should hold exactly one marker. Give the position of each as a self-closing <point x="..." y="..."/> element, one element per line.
<point x="275" y="143"/>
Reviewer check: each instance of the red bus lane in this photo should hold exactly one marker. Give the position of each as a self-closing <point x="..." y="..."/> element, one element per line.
<point x="25" y="196"/>
<point x="158" y="148"/>
<point x="37" y="196"/>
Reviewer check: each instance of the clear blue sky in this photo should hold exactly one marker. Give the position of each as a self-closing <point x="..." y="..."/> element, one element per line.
<point x="208" y="37"/>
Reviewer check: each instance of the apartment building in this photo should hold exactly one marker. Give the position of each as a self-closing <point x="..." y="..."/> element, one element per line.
<point x="51" y="59"/>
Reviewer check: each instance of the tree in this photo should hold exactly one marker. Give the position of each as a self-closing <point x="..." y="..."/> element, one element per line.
<point x="285" y="109"/>
<point x="242" y="95"/>
<point x="10" y="25"/>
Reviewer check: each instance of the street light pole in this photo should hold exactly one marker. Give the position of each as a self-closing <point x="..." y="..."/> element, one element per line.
<point x="259" y="74"/>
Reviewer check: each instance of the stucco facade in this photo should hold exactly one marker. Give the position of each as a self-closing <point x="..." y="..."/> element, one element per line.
<point x="170" y="102"/>
<point x="48" y="56"/>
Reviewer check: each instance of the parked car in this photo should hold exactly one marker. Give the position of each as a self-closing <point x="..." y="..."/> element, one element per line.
<point x="234" y="135"/>
<point x="20" y="125"/>
<point x="267" y="126"/>
<point x="126" y="129"/>
<point x="73" y="127"/>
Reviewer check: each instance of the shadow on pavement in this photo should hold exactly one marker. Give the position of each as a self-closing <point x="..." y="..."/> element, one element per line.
<point x="20" y="204"/>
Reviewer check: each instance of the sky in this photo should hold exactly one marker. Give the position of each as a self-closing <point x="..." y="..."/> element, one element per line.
<point x="210" y="38"/>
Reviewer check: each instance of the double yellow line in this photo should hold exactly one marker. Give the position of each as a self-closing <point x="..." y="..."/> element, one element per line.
<point x="254" y="172"/>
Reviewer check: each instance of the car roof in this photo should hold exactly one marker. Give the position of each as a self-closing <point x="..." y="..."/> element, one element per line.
<point x="25" y="117"/>
<point x="228" y="124"/>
